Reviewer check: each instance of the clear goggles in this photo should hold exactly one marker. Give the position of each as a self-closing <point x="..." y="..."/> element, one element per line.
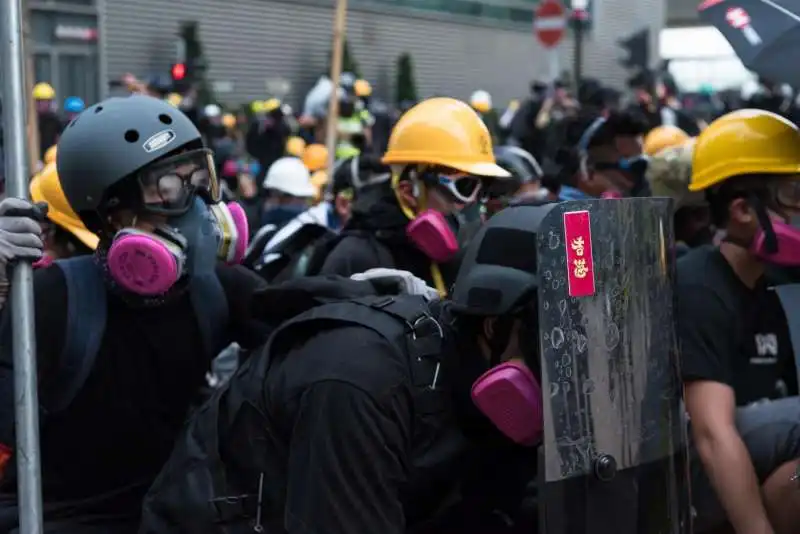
<point x="462" y="187"/>
<point x="786" y="193"/>
<point x="169" y="186"/>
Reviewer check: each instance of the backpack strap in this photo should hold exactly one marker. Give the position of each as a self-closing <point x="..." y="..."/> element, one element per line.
<point x="789" y="295"/>
<point x="210" y="305"/>
<point x="405" y="321"/>
<point x="86" y="324"/>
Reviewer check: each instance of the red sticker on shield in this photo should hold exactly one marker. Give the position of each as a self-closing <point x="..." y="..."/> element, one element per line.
<point x="580" y="265"/>
<point x="737" y="18"/>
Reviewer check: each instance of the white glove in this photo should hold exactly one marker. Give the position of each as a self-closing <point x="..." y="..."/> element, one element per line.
<point x="403" y="282"/>
<point x="20" y="233"/>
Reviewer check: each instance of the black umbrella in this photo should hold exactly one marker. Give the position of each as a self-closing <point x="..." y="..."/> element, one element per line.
<point x="765" y="34"/>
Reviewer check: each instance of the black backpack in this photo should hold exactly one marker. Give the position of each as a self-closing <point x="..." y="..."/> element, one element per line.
<point x="195" y="492"/>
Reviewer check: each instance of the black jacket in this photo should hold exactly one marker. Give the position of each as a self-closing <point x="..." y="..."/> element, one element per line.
<point x="344" y="431"/>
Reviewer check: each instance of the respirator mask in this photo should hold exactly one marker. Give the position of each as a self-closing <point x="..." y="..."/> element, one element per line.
<point x="509" y="394"/>
<point x="777" y="241"/>
<point x="199" y="231"/>
<point x="429" y="230"/>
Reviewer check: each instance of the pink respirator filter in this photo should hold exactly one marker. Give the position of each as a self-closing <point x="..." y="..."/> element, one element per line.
<point x="510" y="396"/>
<point x="143" y="264"/>
<point x="431" y="233"/>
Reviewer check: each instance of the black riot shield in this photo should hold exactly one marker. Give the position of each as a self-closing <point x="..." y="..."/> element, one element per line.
<point x="614" y="455"/>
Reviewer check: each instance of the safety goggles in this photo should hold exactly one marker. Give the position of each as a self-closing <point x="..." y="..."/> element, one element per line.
<point x="786" y="193"/>
<point x="169" y="186"/>
<point x="635" y="166"/>
<point x="463" y="188"/>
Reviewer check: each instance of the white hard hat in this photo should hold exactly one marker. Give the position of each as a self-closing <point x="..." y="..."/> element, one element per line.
<point x="481" y="99"/>
<point x="212" y="110"/>
<point x="290" y="177"/>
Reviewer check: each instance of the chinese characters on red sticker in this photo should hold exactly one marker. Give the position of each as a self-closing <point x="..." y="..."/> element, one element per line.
<point x="580" y="265"/>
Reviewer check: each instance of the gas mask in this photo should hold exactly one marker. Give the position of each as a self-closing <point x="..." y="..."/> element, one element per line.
<point x="149" y="263"/>
<point x="510" y="395"/>
<point x="429" y="230"/>
<point x="200" y="229"/>
<point x="777" y="241"/>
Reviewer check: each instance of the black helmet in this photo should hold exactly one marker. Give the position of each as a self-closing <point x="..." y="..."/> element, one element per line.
<point x="112" y="140"/>
<point x="499" y="268"/>
<point x="519" y="162"/>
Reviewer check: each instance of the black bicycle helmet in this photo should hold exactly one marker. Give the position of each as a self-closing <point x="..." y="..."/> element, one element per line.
<point x="519" y="162"/>
<point x="499" y="269"/>
<point x="114" y="139"/>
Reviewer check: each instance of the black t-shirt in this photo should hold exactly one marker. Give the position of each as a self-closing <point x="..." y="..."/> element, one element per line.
<point x="730" y="333"/>
<point x="108" y="446"/>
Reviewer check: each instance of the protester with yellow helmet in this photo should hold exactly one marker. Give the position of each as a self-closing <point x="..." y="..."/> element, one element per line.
<point x="735" y="345"/>
<point x="50" y="124"/>
<point x="64" y="235"/>
<point x="438" y="152"/>
<point x="663" y="137"/>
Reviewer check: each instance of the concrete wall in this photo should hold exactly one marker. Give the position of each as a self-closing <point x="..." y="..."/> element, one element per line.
<point x="249" y="41"/>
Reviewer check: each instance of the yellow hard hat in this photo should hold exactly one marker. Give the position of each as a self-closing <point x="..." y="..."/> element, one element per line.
<point x="257" y="106"/>
<point x="50" y="155"/>
<point x="295" y="146"/>
<point x="271" y="105"/>
<point x="46" y="187"/>
<point x="747" y="141"/>
<point x="315" y="157"/>
<point x="362" y="88"/>
<point x="663" y="137"/>
<point x="446" y="132"/>
<point x="43" y="91"/>
<point x="229" y="120"/>
<point x="174" y="99"/>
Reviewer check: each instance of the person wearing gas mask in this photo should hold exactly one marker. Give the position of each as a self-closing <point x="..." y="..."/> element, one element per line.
<point x="350" y="422"/>
<point x="606" y="159"/>
<point x="738" y="353"/>
<point x="439" y="152"/>
<point x="126" y="335"/>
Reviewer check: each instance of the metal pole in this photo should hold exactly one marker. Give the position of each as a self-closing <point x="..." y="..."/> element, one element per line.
<point x="578" y="58"/>
<point x="22" y="313"/>
<point x="339" y="26"/>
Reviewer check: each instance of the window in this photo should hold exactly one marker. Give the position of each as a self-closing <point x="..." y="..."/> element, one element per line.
<point x="78" y="76"/>
<point x="42" y="68"/>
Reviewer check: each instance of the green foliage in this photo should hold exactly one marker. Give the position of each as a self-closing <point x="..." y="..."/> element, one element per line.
<point x="196" y="63"/>
<point x="406" y="88"/>
<point x="349" y="63"/>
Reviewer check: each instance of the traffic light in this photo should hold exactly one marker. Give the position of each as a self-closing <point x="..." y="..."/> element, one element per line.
<point x="179" y="74"/>
<point x="637" y="47"/>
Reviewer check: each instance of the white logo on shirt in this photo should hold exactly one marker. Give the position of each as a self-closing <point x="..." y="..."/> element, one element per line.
<point x="767" y="350"/>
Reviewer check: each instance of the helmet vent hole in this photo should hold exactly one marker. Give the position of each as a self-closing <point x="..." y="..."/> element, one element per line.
<point x="98" y="109"/>
<point x="166" y="119"/>
<point x="131" y="136"/>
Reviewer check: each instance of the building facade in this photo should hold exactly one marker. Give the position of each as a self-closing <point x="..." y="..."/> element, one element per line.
<point x="258" y="47"/>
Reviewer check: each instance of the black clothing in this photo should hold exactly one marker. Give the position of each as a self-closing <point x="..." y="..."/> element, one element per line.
<point x="376" y="236"/>
<point x="654" y="119"/>
<point x="349" y="437"/>
<point x="108" y="445"/>
<point x="730" y="333"/>
<point x="50" y="128"/>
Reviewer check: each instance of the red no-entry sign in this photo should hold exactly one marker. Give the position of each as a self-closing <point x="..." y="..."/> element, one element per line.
<point x="550" y="23"/>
